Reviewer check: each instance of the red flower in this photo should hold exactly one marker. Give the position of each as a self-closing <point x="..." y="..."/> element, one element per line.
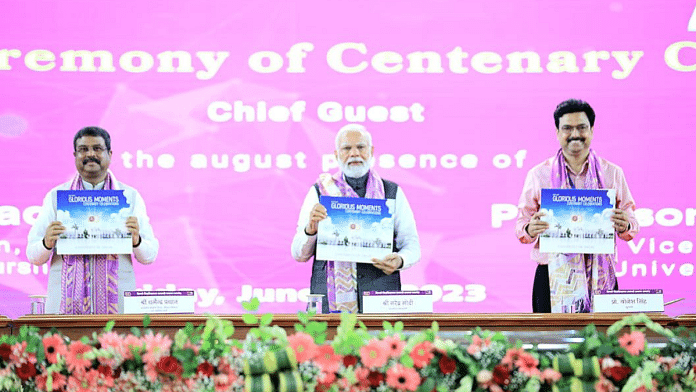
<point x="327" y="359"/>
<point x="634" y="342"/>
<point x="422" y="353"/>
<point x="403" y="378"/>
<point x="618" y="373"/>
<point x="54" y="345"/>
<point x="205" y="369"/>
<point x="169" y="365"/>
<point x="5" y="351"/>
<point x="106" y="371"/>
<point x="26" y="371"/>
<point x="375" y="378"/>
<point x="350" y="360"/>
<point x="501" y="375"/>
<point x="447" y="365"/>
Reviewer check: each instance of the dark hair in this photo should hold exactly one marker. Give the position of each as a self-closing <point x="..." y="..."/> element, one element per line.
<point x="93" y="131"/>
<point x="573" y="106"/>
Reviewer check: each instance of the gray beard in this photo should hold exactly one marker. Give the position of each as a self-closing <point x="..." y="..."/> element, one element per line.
<point x="355" y="171"/>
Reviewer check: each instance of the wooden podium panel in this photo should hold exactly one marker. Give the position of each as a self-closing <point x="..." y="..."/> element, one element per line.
<point x="543" y="324"/>
<point x="5" y="325"/>
<point x="687" y="320"/>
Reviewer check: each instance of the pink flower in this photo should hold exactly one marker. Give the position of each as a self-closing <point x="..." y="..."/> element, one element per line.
<point x="59" y="381"/>
<point x="396" y="345"/>
<point x="477" y="344"/>
<point x="222" y="382"/>
<point x="549" y="375"/>
<point x="604" y="385"/>
<point x="527" y="364"/>
<point x="326" y="378"/>
<point x="54" y="345"/>
<point x="422" y="353"/>
<point x="132" y="344"/>
<point x="361" y="374"/>
<point x="83" y="382"/>
<point x="19" y="353"/>
<point x="403" y="378"/>
<point x="511" y="357"/>
<point x="327" y="359"/>
<point x="156" y="347"/>
<point x="75" y="357"/>
<point x="303" y="345"/>
<point x="634" y="342"/>
<point x="374" y="354"/>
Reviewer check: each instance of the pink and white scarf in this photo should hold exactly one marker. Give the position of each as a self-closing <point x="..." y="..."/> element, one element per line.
<point x="89" y="283"/>
<point x="341" y="276"/>
<point x="575" y="277"/>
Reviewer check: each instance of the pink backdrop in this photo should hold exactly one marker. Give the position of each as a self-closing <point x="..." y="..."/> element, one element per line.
<point x="226" y="230"/>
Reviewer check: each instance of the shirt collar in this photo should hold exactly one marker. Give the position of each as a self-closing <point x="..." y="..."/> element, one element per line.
<point x="583" y="169"/>
<point x="90" y="187"/>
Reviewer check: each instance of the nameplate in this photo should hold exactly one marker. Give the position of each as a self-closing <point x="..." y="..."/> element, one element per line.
<point x="629" y="301"/>
<point x="398" y="301"/>
<point x="158" y="301"/>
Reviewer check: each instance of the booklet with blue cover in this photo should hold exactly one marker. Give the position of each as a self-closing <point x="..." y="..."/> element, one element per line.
<point x="95" y="222"/>
<point x="579" y="220"/>
<point x="356" y="229"/>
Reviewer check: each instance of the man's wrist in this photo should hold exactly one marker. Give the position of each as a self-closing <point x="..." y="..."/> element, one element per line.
<point x="305" y="231"/>
<point x="43" y="241"/>
<point x="140" y="240"/>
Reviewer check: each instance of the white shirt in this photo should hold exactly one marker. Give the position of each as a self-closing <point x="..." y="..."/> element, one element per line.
<point x="37" y="253"/>
<point x="407" y="241"/>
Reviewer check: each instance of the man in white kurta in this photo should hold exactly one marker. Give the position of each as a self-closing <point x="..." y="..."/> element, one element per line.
<point x="92" y="157"/>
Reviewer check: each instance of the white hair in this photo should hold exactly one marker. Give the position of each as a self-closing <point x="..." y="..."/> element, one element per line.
<point x="353" y="127"/>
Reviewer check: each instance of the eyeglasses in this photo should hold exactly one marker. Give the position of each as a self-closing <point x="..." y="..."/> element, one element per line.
<point x="581" y="128"/>
<point x="82" y="150"/>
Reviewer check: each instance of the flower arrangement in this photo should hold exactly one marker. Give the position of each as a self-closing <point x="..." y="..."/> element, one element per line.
<point x="206" y="358"/>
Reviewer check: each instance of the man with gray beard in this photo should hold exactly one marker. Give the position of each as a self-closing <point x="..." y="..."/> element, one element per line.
<point x="356" y="178"/>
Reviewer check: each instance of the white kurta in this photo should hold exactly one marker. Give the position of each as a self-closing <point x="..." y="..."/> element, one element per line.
<point x="37" y="253"/>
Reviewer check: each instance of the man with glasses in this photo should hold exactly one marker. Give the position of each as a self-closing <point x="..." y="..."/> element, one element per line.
<point x="575" y="165"/>
<point x="90" y="284"/>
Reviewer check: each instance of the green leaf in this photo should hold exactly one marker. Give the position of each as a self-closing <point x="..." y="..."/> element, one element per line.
<point x="427" y="386"/>
<point x="465" y="385"/>
<point x="109" y="325"/>
<point x="146" y="320"/>
<point x="266" y="319"/>
<point x="303" y="317"/>
<point x="228" y="330"/>
<point x="249" y="319"/>
<point x="135" y="331"/>
<point x="407" y="361"/>
<point x="252" y="305"/>
<point x="399" y="326"/>
<point x="386" y="325"/>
